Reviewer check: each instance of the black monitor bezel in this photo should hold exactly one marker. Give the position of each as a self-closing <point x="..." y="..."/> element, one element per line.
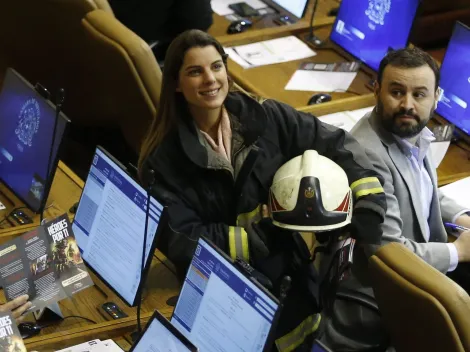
<point x="413" y="24"/>
<point x="282" y="10"/>
<point x="54" y="162"/>
<point x="160" y="228"/>
<point x="166" y="323"/>
<point x="271" y="336"/>
<point x="460" y="130"/>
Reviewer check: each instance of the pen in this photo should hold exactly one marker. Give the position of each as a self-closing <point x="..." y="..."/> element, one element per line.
<point x="456" y="227"/>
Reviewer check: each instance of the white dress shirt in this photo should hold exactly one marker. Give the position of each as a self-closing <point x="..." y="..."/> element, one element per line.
<point x="415" y="155"/>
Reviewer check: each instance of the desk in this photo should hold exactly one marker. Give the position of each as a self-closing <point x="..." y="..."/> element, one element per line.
<point x="269" y="81"/>
<point x="266" y="26"/>
<point x="455" y="165"/>
<point x="117" y="330"/>
<point x="161" y="283"/>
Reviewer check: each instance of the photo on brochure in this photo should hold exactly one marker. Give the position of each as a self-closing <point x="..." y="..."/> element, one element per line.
<point x="10" y="338"/>
<point x="45" y="264"/>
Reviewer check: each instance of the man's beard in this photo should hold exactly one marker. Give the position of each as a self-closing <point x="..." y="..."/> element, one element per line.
<point x="389" y="122"/>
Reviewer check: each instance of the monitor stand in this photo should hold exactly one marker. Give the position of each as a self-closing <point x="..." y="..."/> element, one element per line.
<point x="49" y="315"/>
<point x="283" y="20"/>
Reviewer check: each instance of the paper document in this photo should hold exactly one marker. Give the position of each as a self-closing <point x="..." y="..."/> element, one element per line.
<point x="459" y="191"/>
<point x="221" y="8"/>
<point x="360" y="113"/>
<point x="269" y="52"/>
<point x="340" y="120"/>
<point x="323" y="77"/>
<point x="438" y="151"/>
<point x="345" y="119"/>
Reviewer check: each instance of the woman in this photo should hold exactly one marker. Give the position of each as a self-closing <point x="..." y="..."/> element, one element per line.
<point x="214" y="153"/>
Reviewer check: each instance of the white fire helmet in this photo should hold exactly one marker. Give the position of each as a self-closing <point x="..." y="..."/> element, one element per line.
<point x="310" y="193"/>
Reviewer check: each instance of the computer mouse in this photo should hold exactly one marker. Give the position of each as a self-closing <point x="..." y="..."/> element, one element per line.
<point x="319" y="98"/>
<point x="239" y="26"/>
<point x="28" y="329"/>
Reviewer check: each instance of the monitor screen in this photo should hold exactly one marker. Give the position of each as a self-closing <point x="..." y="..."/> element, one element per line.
<point x="219" y="308"/>
<point x="110" y="222"/>
<point x="26" y="130"/>
<point x="455" y="80"/>
<point x="368" y="29"/>
<point x="161" y="336"/>
<point x="295" y="7"/>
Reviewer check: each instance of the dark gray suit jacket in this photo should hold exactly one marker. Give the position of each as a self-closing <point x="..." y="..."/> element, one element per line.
<point x="403" y="222"/>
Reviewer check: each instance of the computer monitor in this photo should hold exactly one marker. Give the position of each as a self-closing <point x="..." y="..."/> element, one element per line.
<point x="109" y="226"/>
<point x="455" y="80"/>
<point x="369" y="29"/>
<point x="26" y="132"/>
<point x="220" y="301"/>
<point x="160" y="336"/>
<point x="294" y="8"/>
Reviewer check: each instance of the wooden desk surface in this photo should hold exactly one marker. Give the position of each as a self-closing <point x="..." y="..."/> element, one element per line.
<point x="162" y="283"/>
<point x="266" y="26"/>
<point x="454" y="166"/>
<point x="269" y="81"/>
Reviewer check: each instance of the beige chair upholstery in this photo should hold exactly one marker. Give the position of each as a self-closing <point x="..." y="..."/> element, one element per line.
<point x="422" y="308"/>
<point x="110" y="76"/>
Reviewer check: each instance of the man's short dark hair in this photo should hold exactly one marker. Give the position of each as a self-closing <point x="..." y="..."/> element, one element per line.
<point x="409" y="58"/>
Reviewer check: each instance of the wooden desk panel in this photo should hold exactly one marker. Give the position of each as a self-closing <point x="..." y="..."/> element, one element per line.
<point x="269" y="81"/>
<point x="266" y="26"/>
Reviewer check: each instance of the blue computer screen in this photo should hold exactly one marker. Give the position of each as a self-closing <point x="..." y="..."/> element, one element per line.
<point x="221" y="310"/>
<point x="368" y="29"/>
<point x="26" y="126"/>
<point x="110" y="222"/>
<point x="455" y="80"/>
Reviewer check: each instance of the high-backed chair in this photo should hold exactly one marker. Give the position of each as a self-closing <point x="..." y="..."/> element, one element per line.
<point x="422" y="309"/>
<point x="110" y="76"/>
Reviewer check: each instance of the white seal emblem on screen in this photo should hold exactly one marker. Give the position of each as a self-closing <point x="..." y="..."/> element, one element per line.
<point x="377" y="10"/>
<point x="28" y="122"/>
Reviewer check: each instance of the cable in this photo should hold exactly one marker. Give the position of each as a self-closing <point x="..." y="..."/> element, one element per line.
<point x="70" y="316"/>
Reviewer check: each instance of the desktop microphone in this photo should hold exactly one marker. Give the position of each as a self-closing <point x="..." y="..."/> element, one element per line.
<point x="151" y="182"/>
<point x="310" y="37"/>
<point x="58" y="107"/>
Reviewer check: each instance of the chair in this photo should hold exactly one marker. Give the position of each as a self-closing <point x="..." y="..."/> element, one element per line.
<point x="422" y="309"/>
<point x="110" y="76"/>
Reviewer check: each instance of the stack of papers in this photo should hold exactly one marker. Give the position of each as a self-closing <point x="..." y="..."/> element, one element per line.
<point x="94" y="346"/>
<point x="269" y="52"/>
<point x="221" y="8"/>
<point x="345" y="119"/>
<point x="459" y="192"/>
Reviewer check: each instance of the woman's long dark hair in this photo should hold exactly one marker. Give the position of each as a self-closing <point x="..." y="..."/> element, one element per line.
<point x="167" y="115"/>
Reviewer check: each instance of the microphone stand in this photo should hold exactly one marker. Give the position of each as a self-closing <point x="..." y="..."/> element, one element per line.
<point x="58" y="109"/>
<point x="310" y="37"/>
<point x="147" y="215"/>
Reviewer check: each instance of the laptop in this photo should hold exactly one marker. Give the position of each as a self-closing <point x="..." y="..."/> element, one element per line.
<point x="222" y="308"/>
<point x="159" y="335"/>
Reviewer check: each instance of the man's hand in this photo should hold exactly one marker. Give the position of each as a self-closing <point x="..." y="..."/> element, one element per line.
<point x="17" y="307"/>
<point x="462" y="244"/>
<point x="464" y="221"/>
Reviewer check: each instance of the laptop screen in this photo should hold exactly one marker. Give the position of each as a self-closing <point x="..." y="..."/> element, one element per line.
<point x="26" y="132"/>
<point x="368" y="29"/>
<point x="110" y="222"/>
<point x="295" y="7"/>
<point x="455" y="80"/>
<point x="220" y="309"/>
<point x="161" y="336"/>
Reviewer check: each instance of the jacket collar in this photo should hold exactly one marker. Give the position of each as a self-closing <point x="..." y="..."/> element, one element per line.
<point x="398" y="155"/>
<point x="251" y="117"/>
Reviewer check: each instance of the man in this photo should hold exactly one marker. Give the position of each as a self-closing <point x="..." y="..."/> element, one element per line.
<point x="17" y="307"/>
<point x="407" y="94"/>
<point x="397" y="141"/>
